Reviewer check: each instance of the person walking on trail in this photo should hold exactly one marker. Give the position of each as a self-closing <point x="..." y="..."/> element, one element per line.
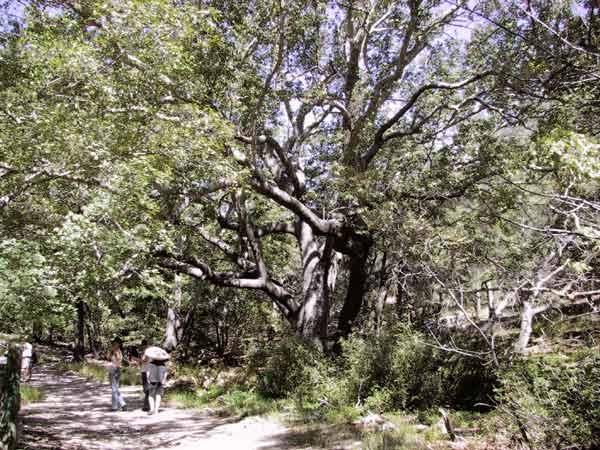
<point x="114" y="373"/>
<point x="157" y="376"/>
<point x="144" y="368"/>
<point x="26" y="361"/>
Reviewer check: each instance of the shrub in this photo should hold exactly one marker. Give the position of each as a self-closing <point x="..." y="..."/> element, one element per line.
<point x="464" y="382"/>
<point x="295" y="370"/>
<point x="244" y="403"/>
<point x="30" y="394"/>
<point x="553" y="402"/>
<point x="382" y="370"/>
<point x="380" y="400"/>
<point x="288" y="369"/>
<point x="185" y="398"/>
<point x="400" y="370"/>
<point x="396" y="370"/>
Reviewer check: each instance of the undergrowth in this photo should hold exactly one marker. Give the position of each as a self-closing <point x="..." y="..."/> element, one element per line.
<point x="30" y="394"/>
<point x="230" y="401"/>
<point x="130" y="376"/>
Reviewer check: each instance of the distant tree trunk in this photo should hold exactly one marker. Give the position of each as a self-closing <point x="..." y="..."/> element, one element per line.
<point x="91" y="341"/>
<point x="187" y="329"/>
<point x="94" y="328"/>
<point x="381" y="295"/>
<point x="527" y="315"/>
<point x="174" y="326"/>
<point x="401" y="301"/>
<point x="50" y="339"/>
<point x="36" y="331"/>
<point x="490" y="300"/>
<point x="79" y="350"/>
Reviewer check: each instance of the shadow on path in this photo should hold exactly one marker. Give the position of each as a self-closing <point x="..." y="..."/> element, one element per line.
<point x="75" y="414"/>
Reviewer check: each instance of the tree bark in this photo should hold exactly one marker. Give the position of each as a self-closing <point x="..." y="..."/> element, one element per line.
<point x="527" y="315"/>
<point x="359" y="247"/>
<point x="381" y="295"/>
<point x="319" y="272"/>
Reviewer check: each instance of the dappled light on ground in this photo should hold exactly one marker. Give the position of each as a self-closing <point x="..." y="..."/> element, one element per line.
<point x="76" y="414"/>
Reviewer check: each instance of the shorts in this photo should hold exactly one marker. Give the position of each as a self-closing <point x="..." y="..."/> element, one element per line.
<point x="157" y="389"/>
<point x="26" y="362"/>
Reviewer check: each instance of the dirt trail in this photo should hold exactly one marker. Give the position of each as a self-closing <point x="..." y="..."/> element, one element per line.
<point x="76" y="415"/>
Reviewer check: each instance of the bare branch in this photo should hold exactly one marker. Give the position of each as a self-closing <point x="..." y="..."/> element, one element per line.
<point x="198" y="269"/>
<point x="247" y="226"/>
<point x="276" y="227"/>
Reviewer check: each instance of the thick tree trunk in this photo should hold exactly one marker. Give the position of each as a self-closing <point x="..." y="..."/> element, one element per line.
<point x="173" y="326"/>
<point x="359" y="247"/>
<point x="319" y="269"/>
<point x="79" y="351"/>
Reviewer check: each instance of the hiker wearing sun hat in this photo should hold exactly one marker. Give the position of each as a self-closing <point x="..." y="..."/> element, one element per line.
<point x="157" y="376"/>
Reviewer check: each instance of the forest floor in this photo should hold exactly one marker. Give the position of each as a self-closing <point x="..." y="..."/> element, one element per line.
<point x="75" y="414"/>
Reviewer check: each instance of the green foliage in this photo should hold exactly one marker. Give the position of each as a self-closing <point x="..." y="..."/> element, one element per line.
<point x="574" y="155"/>
<point x="30" y="394"/>
<point x="116" y="116"/>
<point x="230" y="400"/>
<point x="380" y="400"/>
<point x="246" y="403"/>
<point x="28" y="289"/>
<point x="287" y="368"/>
<point x="380" y="370"/>
<point x="130" y="376"/>
<point x="554" y="399"/>
<point x="373" y="374"/>
<point x="184" y="399"/>
<point x="296" y="370"/>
